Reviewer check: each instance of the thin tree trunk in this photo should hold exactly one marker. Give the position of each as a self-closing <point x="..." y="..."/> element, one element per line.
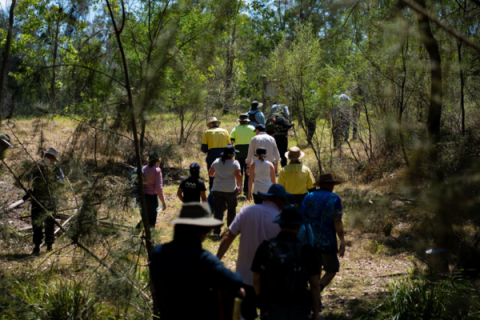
<point x="6" y="54"/>
<point x="55" y="50"/>
<point x="128" y="87"/>
<point x="462" y="87"/>
<point x="436" y="93"/>
<point x="230" y="58"/>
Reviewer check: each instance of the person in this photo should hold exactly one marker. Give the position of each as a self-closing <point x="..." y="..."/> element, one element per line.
<point x="263" y="140"/>
<point x="187" y="279"/>
<point x="280" y="110"/>
<point x="45" y="179"/>
<point x="153" y="188"/>
<point x="341" y="119"/>
<point x="279" y="127"/>
<point x="282" y="268"/>
<point x="253" y="224"/>
<point x="359" y="98"/>
<point x="213" y="142"/>
<point x="256" y="116"/>
<point x="192" y="188"/>
<point x="225" y="170"/>
<point x="323" y="209"/>
<point x="263" y="176"/>
<point x="4" y="144"/>
<point x="296" y="177"/>
<point x="241" y="136"/>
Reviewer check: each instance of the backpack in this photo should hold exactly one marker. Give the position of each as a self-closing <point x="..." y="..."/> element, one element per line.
<point x="132" y="183"/>
<point x="282" y="278"/>
<point x="251" y="116"/>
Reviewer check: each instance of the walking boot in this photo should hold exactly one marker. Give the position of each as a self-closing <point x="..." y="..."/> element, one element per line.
<point x="36" y="250"/>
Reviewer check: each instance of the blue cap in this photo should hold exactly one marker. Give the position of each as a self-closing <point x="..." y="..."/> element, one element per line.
<point x="275" y="190"/>
<point x="291" y="215"/>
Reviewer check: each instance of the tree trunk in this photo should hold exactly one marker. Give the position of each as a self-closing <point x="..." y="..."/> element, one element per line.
<point x="6" y="54"/>
<point x="462" y="87"/>
<point x="128" y="87"/>
<point x="436" y="93"/>
<point x="229" y="71"/>
<point x="55" y="50"/>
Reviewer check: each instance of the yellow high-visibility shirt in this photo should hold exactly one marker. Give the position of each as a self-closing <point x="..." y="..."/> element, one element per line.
<point x="296" y="178"/>
<point x="216" y="138"/>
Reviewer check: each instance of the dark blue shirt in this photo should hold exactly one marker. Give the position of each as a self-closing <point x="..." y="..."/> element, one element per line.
<point x="188" y="281"/>
<point x="321" y="207"/>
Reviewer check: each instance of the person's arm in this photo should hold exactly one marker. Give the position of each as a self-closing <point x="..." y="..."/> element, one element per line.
<point x="232" y="136"/>
<point x="280" y="179"/>
<point x="250" y="182"/>
<point x="225" y="244"/>
<point x="276" y="156"/>
<point x="260" y="118"/>
<point x="251" y="151"/>
<point x="256" y="283"/>
<point x="211" y="172"/>
<point x="180" y="194"/>
<point x="238" y="177"/>
<point x="204" y="197"/>
<point x="204" y="147"/>
<point x="315" y="292"/>
<point x="272" y="173"/>
<point x="159" y="188"/>
<point x="310" y="181"/>
<point x="339" y="229"/>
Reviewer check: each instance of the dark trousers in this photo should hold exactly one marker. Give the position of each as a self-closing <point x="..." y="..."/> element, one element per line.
<point x="40" y="220"/>
<point x="243" y="168"/>
<point x="249" y="304"/>
<point x="220" y="200"/>
<point x="294" y="312"/>
<point x="282" y="146"/>
<point x="257" y="199"/>
<point x="152" y="204"/>
<point x="299" y="199"/>
<point x="210" y="161"/>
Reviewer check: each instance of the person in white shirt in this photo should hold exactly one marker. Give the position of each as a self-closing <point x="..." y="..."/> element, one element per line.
<point x="263" y="176"/>
<point x="263" y="140"/>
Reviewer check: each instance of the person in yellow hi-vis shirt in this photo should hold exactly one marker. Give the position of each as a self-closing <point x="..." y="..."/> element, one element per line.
<point x="295" y="177"/>
<point x="213" y="142"/>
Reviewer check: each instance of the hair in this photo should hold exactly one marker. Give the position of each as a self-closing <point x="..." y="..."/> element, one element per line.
<point x="189" y="233"/>
<point x="152" y="162"/>
<point x="261" y="157"/>
<point x="226" y="157"/>
<point x="195" y="173"/>
<point x="290" y="227"/>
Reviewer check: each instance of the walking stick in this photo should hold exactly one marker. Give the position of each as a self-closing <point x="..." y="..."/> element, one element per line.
<point x="236" y="309"/>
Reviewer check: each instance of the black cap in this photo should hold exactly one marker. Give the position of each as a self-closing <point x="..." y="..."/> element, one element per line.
<point x="260" y="127"/>
<point x="229" y="150"/>
<point x="261" y="151"/>
<point x="291" y="215"/>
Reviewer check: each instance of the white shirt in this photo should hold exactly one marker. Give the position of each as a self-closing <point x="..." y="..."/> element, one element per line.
<point x="263" y="140"/>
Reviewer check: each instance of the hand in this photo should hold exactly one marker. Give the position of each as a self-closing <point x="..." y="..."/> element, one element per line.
<point x="276" y="169"/>
<point x="242" y="291"/>
<point x="249" y="197"/>
<point x="341" y="251"/>
<point x="248" y="171"/>
<point x="240" y="190"/>
<point x="164" y="206"/>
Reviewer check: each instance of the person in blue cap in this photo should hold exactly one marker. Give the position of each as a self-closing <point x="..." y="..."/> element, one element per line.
<point x="192" y="188"/>
<point x="282" y="268"/>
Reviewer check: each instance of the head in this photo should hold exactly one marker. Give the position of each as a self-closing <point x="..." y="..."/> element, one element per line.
<point x="326" y="186"/>
<point x="50" y="156"/>
<point x="5" y="142"/>
<point x="213" y="122"/>
<point x="279" y="201"/>
<point x="153" y="159"/>
<point x="290" y="219"/>
<point x="327" y="182"/>
<point x="294" y="154"/>
<point x="261" y="153"/>
<point x="276" y="194"/>
<point x="228" y="153"/>
<point x="259" y="128"/>
<point x="49" y="159"/>
<point x="195" y="170"/>
<point x="243" y="119"/>
<point x="194" y="222"/>
<point x="256" y="105"/>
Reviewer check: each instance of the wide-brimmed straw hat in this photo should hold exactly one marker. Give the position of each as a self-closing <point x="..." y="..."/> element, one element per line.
<point x="196" y="214"/>
<point x="327" y="178"/>
<point x="5" y="139"/>
<point x="243" y="117"/>
<point x="294" y="153"/>
<point x="51" y="151"/>
<point x="291" y="215"/>
<point x="213" y="120"/>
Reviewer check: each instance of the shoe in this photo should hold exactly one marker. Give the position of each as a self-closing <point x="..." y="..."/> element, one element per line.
<point x="49" y="247"/>
<point x="36" y="251"/>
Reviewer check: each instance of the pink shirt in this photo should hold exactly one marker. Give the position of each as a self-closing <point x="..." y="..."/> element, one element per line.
<point x="153" y="181"/>
<point x="254" y="224"/>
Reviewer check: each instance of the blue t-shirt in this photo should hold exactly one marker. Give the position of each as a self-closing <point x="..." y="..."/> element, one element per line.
<point x="321" y="207"/>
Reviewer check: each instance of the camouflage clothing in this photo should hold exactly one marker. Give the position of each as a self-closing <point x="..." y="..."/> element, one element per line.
<point x="46" y="182"/>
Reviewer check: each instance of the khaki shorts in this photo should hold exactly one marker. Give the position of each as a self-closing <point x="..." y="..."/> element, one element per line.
<point x="329" y="262"/>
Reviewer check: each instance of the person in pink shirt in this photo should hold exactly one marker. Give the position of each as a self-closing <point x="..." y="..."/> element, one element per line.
<point x="254" y="224"/>
<point x="153" y="186"/>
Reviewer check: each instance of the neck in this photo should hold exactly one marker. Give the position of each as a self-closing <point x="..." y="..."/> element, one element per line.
<point x="295" y="161"/>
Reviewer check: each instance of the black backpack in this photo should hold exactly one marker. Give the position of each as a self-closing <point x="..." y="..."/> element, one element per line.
<point x="251" y="116"/>
<point x="132" y="183"/>
<point x="283" y="279"/>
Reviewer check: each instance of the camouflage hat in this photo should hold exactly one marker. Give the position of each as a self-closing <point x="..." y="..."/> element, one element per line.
<point x="5" y="139"/>
<point x="154" y="155"/>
